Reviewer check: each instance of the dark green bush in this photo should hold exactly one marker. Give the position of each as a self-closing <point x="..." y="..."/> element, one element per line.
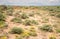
<point x="16" y="30"/>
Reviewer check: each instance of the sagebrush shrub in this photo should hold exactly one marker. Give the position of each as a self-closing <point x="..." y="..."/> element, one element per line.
<point x="46" y="28"/>
<point x="30" y="22"/>
<point x="27" y="22"/>
<point x="2" y="17"/>
<point x="3" y="24"/>
<point x="24" y="16"/>
<point x="9" y="11"/>
<point x="16" y="30"/>
<point x="16" y="20"/>
<point x="58" y="15"/>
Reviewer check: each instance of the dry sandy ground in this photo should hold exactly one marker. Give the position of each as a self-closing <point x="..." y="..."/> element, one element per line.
<point x="40" y="34"/>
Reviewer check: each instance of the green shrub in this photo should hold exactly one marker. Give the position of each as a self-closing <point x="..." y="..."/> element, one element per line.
<point x="51" y="10"/>
<point x="52" y="14"/>
<point x="33" y="34"/>
<point x="58" y="15"/>
<point x="31" y="14"/>
<point x="16" y="20"/>
<point x="17" y="14"/>
<point x="3" y="7"/>
<point x="27" y="22"/>
<point x="52" y="38"/>
<point x="32" y="31"/>
<point x="16" y="30"/>
<point x="2" y="17"/>
<point x="24" y="16"/>
<point x="3" y="24"/>
<point x="46" y="28"/>
<point x="30" y="22"/>
<point x="34" y="22"/>
<point x="9" y="10"/>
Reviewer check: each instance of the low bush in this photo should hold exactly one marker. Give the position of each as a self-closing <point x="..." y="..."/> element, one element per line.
<point x="3" y="24"/>
<point x="51" y="10"/>
<point x="16" y="20"/>
<point x="2" y="17"/>
<point x="24" y="16"/>
<point x="32" y="31"/>
<point x="34" y="22"/>
<point x="31" y="14"/>
<point x="52" y="14"/>
<point x="27" y="22"/>
<point x="9" y="11"/>
<point x="16" y="30"/>
<point x="3" y="7"/>
<point x="33" y="34"/>
<point x="58" y="15"/>
<point x="46" y="28"/>
<point x="52" y="38"/>
<point x="30" y="22"/>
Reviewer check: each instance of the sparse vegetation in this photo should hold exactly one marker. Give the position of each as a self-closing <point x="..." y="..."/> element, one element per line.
<point x="22" y="22"/>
